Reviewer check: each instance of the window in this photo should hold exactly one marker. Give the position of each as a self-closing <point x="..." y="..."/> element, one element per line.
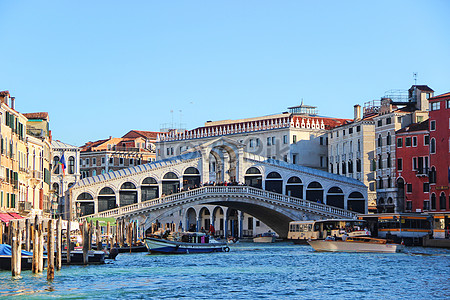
<point x="343" y="132"/>
<point x="285" y="158"/>
<point x="433" y="201"/>
<point x="131" y="161"/>
<point x="269" y="140"/>
<point x="358" y="165"/>
<point x="94" y="161"/>
<point x="399" y="142"/>
<point x="251" y="143"/>
<point x="409" y="188"/>
<point x="257" y="142"/>
<point x="408" y="205"/>
<point x="408" y="142"/>
<point x="380" y="143"/>
<point x="414" y="163"/>
<point x="358" y="128"/>
<point x="388" y="121"/>
<point x="414" y="141"/>
<point x="350" y="130"/>
<point x="103" y="160"/>
<point x="380" y="123"/>
<point x="294" y="159"/>
<point x="426" y="204"/>
<point x="435" y="105"/>
<point x="380" y="183"/>
<point x="171" y="151"/>
<point x="321" y="141"/>
<point x="399" y="164"/>
<point x="121" y="161"/>
<point x="388" y="139"/>
<point x="71" y="168"/>
<point x="87" y="161"/>
<point x="448" y="103"/>
<point x="380" y="162"/>
<point x="111" y="160"/>
<point x="433" y="125"/>
<point x="426" y="187"/>
<point x="388" y="160"/>
<point x="285" y="139"/>
<point x="273" y="140"/>
<point x="426" y="140"/>
<point x="433" y="146"/>
<point x="168" y="151"/>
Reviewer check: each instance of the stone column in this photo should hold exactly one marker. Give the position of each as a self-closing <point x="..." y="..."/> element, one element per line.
<point x="205" y="165"/>
<point x="240" y="223"/>
<point x="240" y="166"/>
<point x="225" y="223"/>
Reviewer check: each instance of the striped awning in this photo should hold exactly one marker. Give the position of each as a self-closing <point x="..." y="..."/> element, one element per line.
<point x="6" y="218"/>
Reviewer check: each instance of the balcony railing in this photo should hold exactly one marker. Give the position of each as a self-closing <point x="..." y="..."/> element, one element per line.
<point x="422" y="172"/>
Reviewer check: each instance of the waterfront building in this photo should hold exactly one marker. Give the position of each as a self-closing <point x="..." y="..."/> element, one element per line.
<point x="396" y="111"/>
<point x="112" y="154"/>
<point x="39" y="162"/>
<point x="62" y="182"/>
<point x="298" y="137"/>
<point x="440" y="164"/>
<point x="412" y="153"/>
<point x="351" y="149"/>
<point x="13" y="172"/>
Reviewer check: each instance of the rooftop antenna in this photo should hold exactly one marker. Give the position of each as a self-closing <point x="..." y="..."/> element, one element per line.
<point x="171" y="113"/>
<point x="415" y="78"/>
<point x="301" y="103"/>
<point x="179" y="126"/>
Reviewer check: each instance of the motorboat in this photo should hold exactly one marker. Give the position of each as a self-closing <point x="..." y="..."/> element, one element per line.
<point x="356" y="244"/>
<point x="267" y="237"/>
<point x="5" y="258"/>
<point x="184" y="243"/>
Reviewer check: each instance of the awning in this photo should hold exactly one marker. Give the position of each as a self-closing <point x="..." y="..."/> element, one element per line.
<point x="6" y="218"/>
<point x="102" y="221"/>
<point x="16" y="215"/>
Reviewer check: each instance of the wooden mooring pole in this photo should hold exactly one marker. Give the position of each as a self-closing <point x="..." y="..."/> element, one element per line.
<point x="108" y="238"/>
<point x="85" y="242"/>
<point x="58" y="244"/>
<point x="41" y="246"/>
<point x="98" y="236"/>
<point x="50" y="251"/>
<point x="16" y="248"/>
<point x="27" y="234"/>
<point x="35" y="263"/>
<point x="68" y="242"/>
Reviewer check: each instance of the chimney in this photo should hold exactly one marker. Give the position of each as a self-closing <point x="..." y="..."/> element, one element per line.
<point x="13" y="102"/>
<point x="357" y="112"/>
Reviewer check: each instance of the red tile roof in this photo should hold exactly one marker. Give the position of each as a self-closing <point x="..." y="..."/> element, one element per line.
<point x="414" y="127"/>
<point x="151" y="135"/>
<point x="37" y="115"/>
<point x="439" y="97"/>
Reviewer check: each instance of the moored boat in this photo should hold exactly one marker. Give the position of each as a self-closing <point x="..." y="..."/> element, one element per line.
<point x="267" y="237"/>
<point x="185" y="243"/>
<point x="5" y="258"/>
<point x="356" y="244"/>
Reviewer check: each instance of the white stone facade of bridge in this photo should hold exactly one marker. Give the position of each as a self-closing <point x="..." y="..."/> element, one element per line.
<point x="127" y="187"/>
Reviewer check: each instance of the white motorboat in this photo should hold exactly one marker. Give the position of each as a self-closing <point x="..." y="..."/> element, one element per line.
<point x="356" y="244"/>
<point x="267" y="237"/>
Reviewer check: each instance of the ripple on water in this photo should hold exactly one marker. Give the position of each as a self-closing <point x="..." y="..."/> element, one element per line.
<point x="280" y="271"/>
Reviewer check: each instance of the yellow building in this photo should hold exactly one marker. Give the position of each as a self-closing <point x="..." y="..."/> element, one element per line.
<point x="24" y="160"/>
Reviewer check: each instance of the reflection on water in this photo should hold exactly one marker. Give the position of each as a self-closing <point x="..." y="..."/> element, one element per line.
<point x="248" y="271"/>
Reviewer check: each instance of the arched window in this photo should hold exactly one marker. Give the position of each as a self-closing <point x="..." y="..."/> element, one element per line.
<point x="433" y="146"/>
<point x="314" y="192"/>
<point x="149" y="180"/>
<point x="85" y="196"/>
<point x="55" y="164"/>
<point x="433" y="201"/>
<point x="433" y="175"/>
<point x="191" y="170"/>
<point x="273" y="175"/>
<point x="358" y="165"/>
<point x="71" y="166"/>
<point x="253" y="170"/>
<point x="442" y="202"/>
<point x="170" y="175"/>
<point x="294" y="179"/>
<point x="106" y="191"/>
<point x="380" y="162"/>
<point x="128" y="186"/>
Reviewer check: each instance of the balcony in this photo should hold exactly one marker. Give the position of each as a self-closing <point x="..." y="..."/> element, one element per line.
<point x="36" y="174"/>
<point x="25" y="206"/>
<point x="422" y="172"/>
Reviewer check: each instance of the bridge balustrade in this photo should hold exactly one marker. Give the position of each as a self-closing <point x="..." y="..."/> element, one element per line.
<point x="225" y="191"/>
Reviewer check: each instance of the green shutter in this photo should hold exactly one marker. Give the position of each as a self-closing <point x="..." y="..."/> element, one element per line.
<point x="1" y="200"/>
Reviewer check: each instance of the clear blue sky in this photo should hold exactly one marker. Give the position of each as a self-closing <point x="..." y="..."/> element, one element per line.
<point x="102" y="68"/>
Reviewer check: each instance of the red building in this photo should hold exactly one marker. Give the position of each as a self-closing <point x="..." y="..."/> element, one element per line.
<point x="412" y="166"/>
<point x="440" y="152"/>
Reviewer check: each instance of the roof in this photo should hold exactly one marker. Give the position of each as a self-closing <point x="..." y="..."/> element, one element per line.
<point x="58" y="144"/>
<point x="424" y="88"/>
<point x="4" y="93"/>
<point x="440" y="97"/>
<point x="90" y="145"/>
<point x="37" y="115"/>
<point x="152" y="135"/>
<point x="136" y="169"/>
<point x="422" y="126"/>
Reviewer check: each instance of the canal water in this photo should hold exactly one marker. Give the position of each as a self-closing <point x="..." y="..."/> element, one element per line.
<point x="248" y="271"/>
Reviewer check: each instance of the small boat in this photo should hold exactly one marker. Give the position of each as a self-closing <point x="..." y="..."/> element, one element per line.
<point x="76" y="257"/>
<point x="267" y="237"/>
<point x="185" y="243"/>
<point x="5" y="258"/>
<point x="356" y="244"/>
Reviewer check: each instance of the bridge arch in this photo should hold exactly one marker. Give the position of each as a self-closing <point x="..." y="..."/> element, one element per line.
<point x="356" y="202"/>
<point x="149" y="188"/>
<point x="294" y="187"/>
<point x="204" y="218"/>
<point x="274" y="182"/>
<point x="191" y="219"/>
<point x="253" y="177"/>
<point x="314" y="192"/>
<point x="228" y="159"/>
<point x="191" y="178"/>
<point x="85" y="204"/>
<point x="170" y="183"/>
<point x="106" y="199"/>
<point x="127" y="193"/>
<point x="335" y="197"/>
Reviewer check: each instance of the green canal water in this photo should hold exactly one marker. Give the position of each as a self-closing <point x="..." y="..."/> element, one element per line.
<point x="248" y="271"/>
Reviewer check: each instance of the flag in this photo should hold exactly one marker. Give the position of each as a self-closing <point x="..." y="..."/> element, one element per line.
<point x="62" y="163"/>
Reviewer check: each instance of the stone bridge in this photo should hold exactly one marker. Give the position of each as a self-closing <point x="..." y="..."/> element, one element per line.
<point x="275" y="192"/>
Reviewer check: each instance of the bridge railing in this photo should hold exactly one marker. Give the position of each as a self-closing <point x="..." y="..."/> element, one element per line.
<point x="224" y="191"/>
